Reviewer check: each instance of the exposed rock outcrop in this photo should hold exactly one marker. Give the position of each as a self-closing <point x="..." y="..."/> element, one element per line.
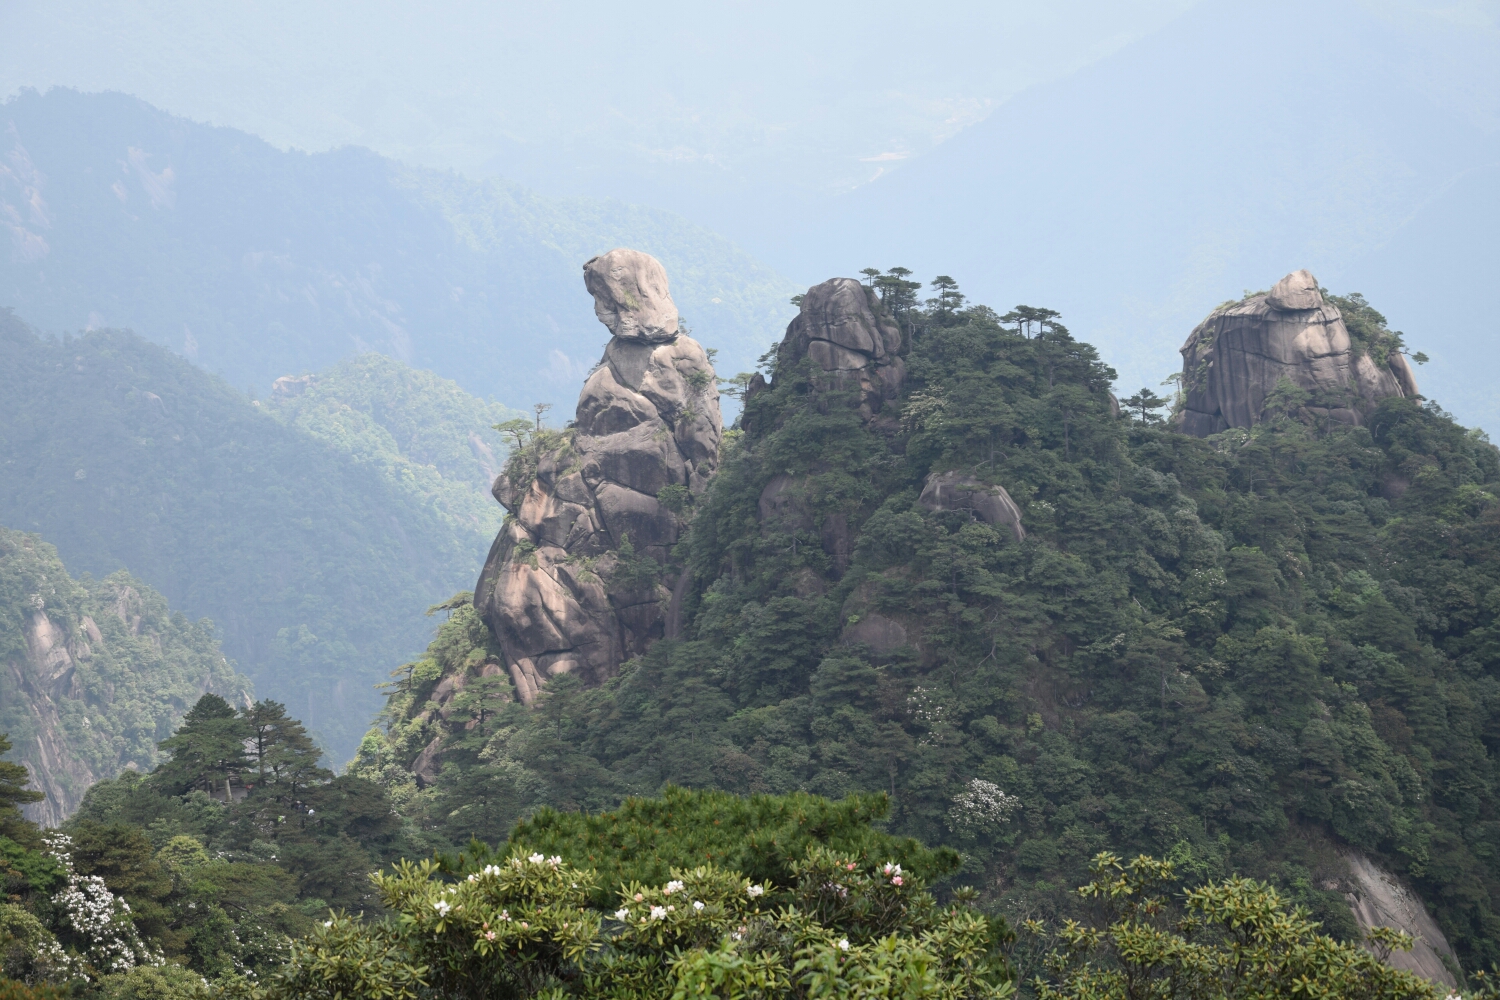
<point x="960" y="491"/>
<point x="566" y="588"/>
<point x="1234" y="359"/>
<point x="1378" y="899"/>
<point x="845" y="331"/>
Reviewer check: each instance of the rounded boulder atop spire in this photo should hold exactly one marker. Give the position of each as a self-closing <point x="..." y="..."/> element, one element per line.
<point x="631" y="297"/>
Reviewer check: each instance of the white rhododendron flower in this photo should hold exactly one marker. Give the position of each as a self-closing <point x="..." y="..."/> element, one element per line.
<point x="672" y="886"/>
<point x="697" y="904"/>
<point x="982" y="806"/>
<point x="658" y="913"/>
<point x="843" y="944"/>
<point x="442" y="907"/>
<point x="622" y="914"/>
<point x="535" y="859"/>
<point x="756" y="890"/>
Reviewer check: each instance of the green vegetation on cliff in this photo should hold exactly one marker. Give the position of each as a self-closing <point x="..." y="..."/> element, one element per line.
<point x="1250" y="654"/>
<point x="312" y="538"/>
<point x="93" y="673"/>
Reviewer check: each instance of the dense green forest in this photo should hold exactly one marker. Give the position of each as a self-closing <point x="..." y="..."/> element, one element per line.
<point x="312" y="530"/>
<point x="94" y="673"/>
<point x="256" y="261"/>
<point x="1245" y="654"/>
<point x="162" y="868"/>
<point x="425" y="434"/>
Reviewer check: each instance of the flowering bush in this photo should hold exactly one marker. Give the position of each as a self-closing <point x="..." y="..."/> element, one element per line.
<point x="982" y="807"/>
<point x="94" y="921"/>
<point x="523" y="928"/>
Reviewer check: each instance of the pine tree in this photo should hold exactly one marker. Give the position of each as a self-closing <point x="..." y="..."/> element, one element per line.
<point x="13" y="795"/>
<point x="1146" y="402"/>
<point x="208" y="749"/>
<point x="284" y="754"/>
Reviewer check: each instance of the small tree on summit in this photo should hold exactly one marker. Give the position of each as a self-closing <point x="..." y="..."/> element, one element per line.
<point x="948" y="300"/>
<point x="897" y="292"/>
<point x="207" y="750"/>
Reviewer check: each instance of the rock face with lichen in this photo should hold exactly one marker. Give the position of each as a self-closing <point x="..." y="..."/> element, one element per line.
<point x="577" y="581"/>
<point x="1236" y="358"/>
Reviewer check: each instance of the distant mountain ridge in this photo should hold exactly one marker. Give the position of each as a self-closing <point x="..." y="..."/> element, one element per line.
<point x="306" y="530"/>
<point x="256" y="262"/>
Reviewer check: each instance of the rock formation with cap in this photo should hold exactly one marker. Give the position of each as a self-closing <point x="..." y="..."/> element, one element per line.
<point x="1235" y="358"/>
<point x="576" y="579"/>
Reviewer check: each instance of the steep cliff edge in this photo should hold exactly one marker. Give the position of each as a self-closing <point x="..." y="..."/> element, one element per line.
<point x="93" y="673"/>
<point x="1235" y="359"/>
<point x="576" y="580"/>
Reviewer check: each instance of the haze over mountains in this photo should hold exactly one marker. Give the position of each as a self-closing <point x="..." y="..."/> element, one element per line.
<point x="1128" y="165"/>
<point x="258" y="263"/>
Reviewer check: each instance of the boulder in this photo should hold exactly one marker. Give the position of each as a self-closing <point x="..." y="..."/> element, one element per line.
<point x="881" y="635"/>
<point x="846" y="332"/>
<point x="1235" y="358"/>
<point x="631" y="297"/>
<point x="647" y="419"/>
<point x="961" y="491"/>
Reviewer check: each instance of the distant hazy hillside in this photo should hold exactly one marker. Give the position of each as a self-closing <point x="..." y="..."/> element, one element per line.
<point x="1361" y="144"/>
<point x="93" y="673"/>
<point x="313" y="541"/>
<point x="257" y="262"/>
<point x="425" y="434"/>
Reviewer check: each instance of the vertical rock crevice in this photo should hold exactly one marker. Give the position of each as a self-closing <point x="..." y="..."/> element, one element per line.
<point x="577" y="580"/>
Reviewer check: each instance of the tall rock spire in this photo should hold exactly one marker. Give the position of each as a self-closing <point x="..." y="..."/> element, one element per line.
<point x="575" y="580"/>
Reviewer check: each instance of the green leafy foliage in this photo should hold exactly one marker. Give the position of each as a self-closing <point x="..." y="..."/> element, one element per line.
<point x="154" y="869"/>
<point x="1228" y="939"/>
<point x="527" y="924"/>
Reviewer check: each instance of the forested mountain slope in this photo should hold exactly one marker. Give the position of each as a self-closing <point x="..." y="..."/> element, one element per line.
<point x="313" y="541"/>
<point x="257" y="262"/>
<point x="1271" y="651"/>
<point x="423" y="432"/>
<point x="95" y="672"/>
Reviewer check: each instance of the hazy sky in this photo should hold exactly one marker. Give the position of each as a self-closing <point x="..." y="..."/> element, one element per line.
<point x="801" y="97"/>
<point x="806" y="131"/>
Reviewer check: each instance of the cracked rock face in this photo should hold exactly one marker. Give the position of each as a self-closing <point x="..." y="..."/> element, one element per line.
<point x="846" y="333"/>
<point x="1235" y="358"/>
<point x="577" y="581"/>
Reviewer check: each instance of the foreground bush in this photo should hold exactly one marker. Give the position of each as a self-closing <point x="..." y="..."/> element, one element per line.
<point x="1230" y="939"/>
<point x="845" y="926"/>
